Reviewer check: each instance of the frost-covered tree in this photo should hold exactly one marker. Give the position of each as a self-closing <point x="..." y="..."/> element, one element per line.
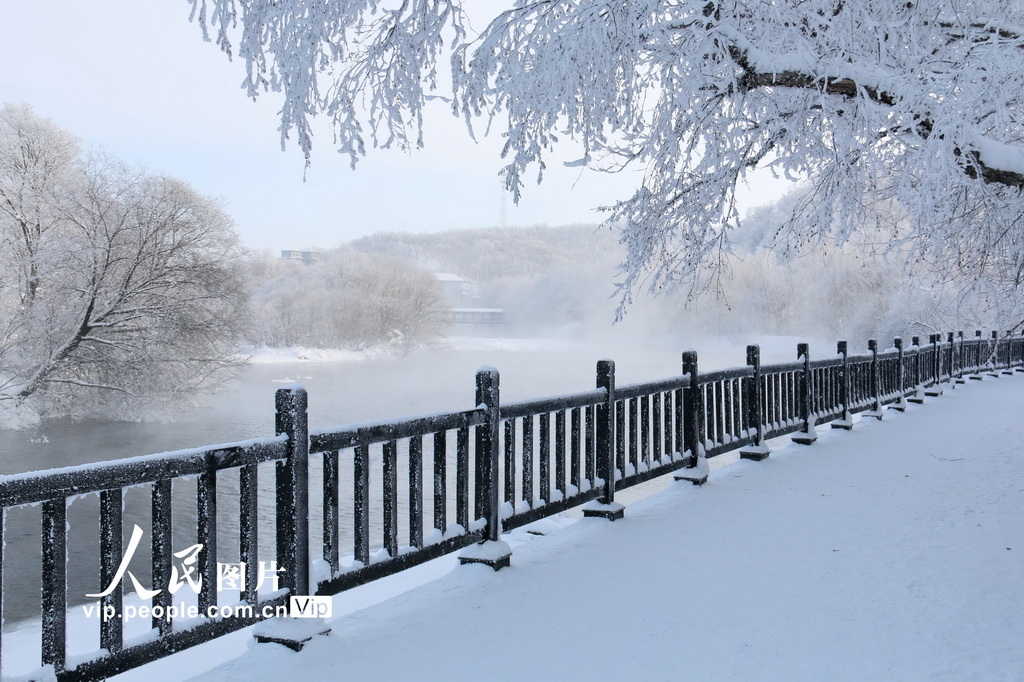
<point x="347" y="300"/>
<point x="119" y="288"/>
<point x="36" y="158"/>
<point x="917" y="102"/>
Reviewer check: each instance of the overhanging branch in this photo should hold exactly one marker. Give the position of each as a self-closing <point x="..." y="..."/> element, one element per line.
<point x="848" y="88"/>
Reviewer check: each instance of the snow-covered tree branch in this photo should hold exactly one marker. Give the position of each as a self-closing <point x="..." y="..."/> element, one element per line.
<point x="917" y="103"/>
<point x="117" y="285"/>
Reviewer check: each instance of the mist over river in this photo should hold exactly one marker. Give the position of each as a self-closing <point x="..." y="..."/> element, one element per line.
<point x="427" y="380"/>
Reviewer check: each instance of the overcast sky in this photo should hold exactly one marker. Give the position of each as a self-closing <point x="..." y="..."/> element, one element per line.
<point x="135" y="79"/>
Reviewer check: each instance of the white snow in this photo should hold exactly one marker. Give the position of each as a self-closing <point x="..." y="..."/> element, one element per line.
<point x="486" y="551"/>
<point x="999" y="154"/>
<point x="888" y="552"/>
<point x="268" y="356"/>
<point x="301" y="354"/>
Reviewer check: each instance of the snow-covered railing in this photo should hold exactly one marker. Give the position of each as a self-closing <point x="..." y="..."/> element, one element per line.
<point x="465" y="477"/>
<point x="56" y="489"/>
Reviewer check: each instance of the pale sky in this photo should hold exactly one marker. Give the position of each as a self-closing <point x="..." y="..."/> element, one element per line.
<point x="135" y="79"/>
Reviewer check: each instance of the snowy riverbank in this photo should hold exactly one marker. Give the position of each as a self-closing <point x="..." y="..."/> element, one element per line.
<point x="290" y="354"/>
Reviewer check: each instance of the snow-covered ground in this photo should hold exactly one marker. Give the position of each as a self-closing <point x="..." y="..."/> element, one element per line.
<point x="889" y="553"/>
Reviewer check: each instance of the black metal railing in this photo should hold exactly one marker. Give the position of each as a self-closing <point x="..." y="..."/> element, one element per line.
<point x="393" y="494"/>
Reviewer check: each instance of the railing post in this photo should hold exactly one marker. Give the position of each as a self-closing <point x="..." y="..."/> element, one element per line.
<point x="1020" y="353"/>
<point x="993" y="356"/>
<point x="901" y="380"/>
<point x="976" y="357"/>
<point x="293" y="490"/>
<point x="807" y="434"/>
<point x="953" y="368"/>
<point x="876" y="382"/>
<point x="918" y="396"/>
<point x="696" y="470"/>
<point x="956" y="357"/>
<point x="754" y="400"/>
<point x="949" y="359"/>
<point x="605" y="506"/>
<point x="1008" y="342"/>
<point x="846" y="421"/>
<point x="292" y="521"/>
<point x="936" y="387"/>
<point x="491" y="551"/>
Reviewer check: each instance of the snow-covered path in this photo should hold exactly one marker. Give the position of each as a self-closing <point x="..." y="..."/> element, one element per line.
<point x="893" y="552"/>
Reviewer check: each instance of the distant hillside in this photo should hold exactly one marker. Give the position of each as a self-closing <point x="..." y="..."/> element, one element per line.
<point x="486" y="254"/>
<point x="543" y="277"/>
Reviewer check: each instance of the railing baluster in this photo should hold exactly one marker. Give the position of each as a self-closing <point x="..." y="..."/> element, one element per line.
<point x="462" y="478"/>
<point x="720" y="415"/>
<point x="545" y="457"/>
<point x="330" y="513"/>
<point x="678" y="412"/>
<point x="668" y="430"/>
<point x="161" y="548"/>
<point x="634" y="427"/>
<point x="391" y="498"/>
<point x="54" y="583"/>
<point x="528" y="461"/>
<point x="727" y="411"/>
<point x="591" y="439"/>
<point x="206" y="527"/>
<point x="510" y="461"/>
<point x="111" y="512"/>
<point x="441" y="480"/>
<point x="620" y="438"/>
<point x="645" y="429"/>
<point x="656" y="423"/>
<point x="560" y="453"/>
<point x="416" y="491"/>
<point x="574" y="447"/>
<point x="361" y="504"/>
<point x="248" y="529"/>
